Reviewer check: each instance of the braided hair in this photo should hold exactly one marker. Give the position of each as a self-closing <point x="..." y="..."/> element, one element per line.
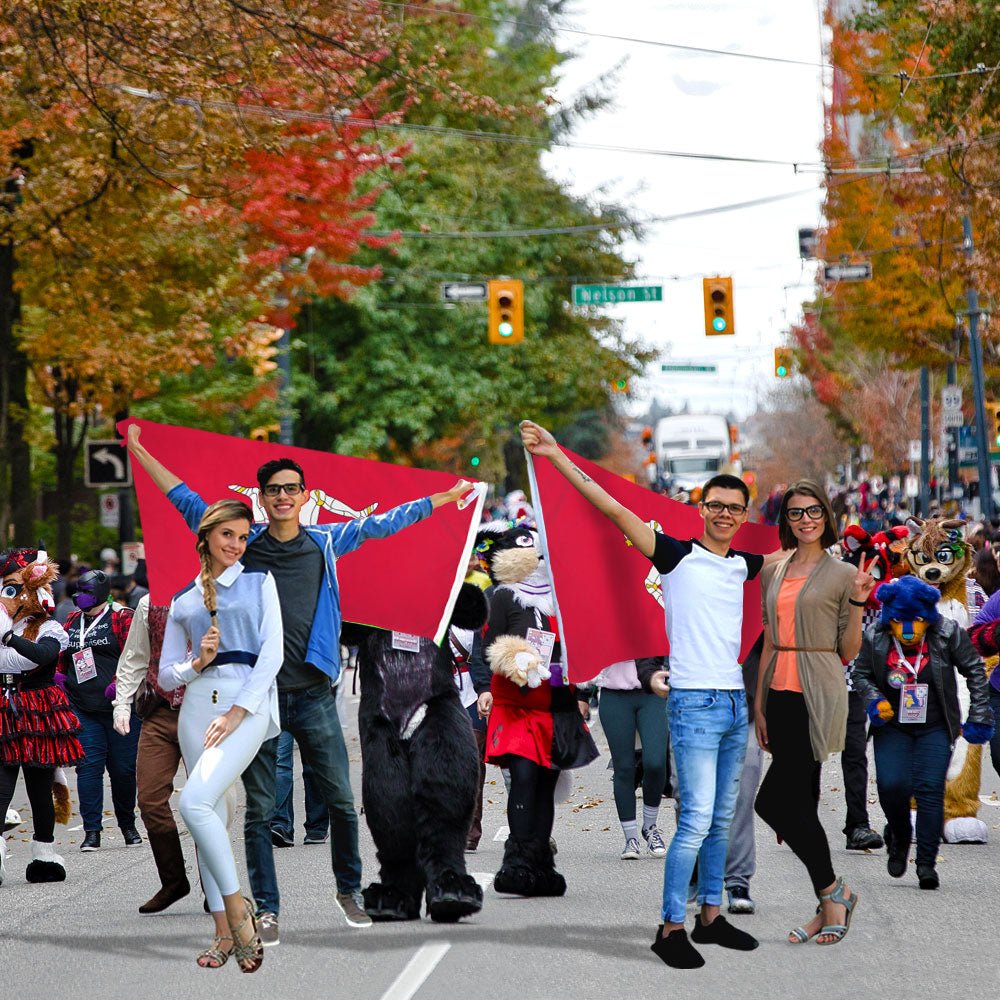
<point x="216" y="514"/>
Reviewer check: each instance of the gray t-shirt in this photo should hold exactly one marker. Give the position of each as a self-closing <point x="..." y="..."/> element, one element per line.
<point x="297" y="568"/>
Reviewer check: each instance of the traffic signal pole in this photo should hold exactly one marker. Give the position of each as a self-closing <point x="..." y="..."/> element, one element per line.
<point x="978" y="382"/>
<point x="925" y="441"/>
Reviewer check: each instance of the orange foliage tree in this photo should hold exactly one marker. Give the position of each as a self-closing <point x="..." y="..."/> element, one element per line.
<point x="174" y="177"/>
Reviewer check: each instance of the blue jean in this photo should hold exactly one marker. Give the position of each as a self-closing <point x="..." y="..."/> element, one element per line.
<point x="708" y="734"/>
<point x="106" y="750"/>
<point x="317" y="815"/>
<point x="311" y="717"/>
<point x="913" y="764"/>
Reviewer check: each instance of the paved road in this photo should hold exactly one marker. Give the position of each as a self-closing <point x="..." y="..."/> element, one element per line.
<point x="84" y="937"/>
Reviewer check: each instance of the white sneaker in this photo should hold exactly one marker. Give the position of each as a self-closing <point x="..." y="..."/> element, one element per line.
<point x="632" y="850"/>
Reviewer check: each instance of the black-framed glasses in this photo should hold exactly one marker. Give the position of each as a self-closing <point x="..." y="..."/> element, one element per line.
<point x="292" y="489"/>
<point x="814" y="512"/>
<point x="717" y="507"/>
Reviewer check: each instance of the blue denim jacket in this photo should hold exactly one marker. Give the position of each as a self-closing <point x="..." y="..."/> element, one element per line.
<point x="335" y="540"/>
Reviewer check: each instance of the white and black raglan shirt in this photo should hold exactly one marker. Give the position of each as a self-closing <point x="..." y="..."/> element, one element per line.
<point x="703" y="603"/>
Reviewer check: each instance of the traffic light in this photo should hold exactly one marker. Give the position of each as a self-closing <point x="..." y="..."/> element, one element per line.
<point x="807" y="244"/>
<point x="620" y="385"/>
<point x="992" y="424"/>
<point x="474" y="461"/>
<point x="782" y="362"/>
<point x="718" y="293"/>
<point x="264" y="433"/>
<point x="506" y="309"/>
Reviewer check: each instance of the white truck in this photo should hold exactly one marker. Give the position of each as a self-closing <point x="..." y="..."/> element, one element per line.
<point x="692" y="448"/>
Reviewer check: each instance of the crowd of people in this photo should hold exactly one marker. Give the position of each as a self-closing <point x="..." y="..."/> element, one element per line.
<point x="246" y="661"/>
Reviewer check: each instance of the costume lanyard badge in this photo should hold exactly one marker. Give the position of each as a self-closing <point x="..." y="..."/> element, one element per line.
<point x="543" y="640"/>
<point x="83" y="659"/>
<point x="912" y="696"/>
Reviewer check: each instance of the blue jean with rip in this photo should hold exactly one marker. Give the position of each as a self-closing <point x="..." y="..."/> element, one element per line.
<point x="708" y="734"/>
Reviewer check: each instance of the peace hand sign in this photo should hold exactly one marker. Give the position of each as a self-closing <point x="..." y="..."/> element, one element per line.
<point x="864" y="582"/>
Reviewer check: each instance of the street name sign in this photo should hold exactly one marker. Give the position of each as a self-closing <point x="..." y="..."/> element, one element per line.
<point x="106" y="464"/>
<point x="599" y="295"/>
<point x="463" y="291"/>
<point x="688" y="368"/>
<point x="848" y="272"/>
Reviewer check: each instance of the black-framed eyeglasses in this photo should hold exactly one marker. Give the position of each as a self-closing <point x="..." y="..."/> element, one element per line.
<point x="292" y="489"/>
<point x="717" y="507"/>
<point x="814" y="512"/>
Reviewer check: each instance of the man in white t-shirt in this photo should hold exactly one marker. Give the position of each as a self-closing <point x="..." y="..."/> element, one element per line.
<point x="702" y="582"/>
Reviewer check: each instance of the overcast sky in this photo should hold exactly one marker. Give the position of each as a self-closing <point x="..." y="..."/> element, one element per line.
<point x="673" y="100"/>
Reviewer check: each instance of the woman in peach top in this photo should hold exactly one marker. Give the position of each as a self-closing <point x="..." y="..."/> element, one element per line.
<point x="812" y="605"/>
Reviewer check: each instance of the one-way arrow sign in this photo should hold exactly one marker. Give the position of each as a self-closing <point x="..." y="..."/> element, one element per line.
<point x="848" y="272"/>
<point x="107" y="464"/>
<point x="464" y="291"/>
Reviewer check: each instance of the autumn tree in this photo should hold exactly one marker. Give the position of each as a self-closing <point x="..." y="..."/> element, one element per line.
<point x="172" y="166"/>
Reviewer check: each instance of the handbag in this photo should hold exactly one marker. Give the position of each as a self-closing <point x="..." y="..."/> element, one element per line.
<point x="146" y="699"/>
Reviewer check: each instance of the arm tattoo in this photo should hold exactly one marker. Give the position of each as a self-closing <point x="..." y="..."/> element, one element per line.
<point x="583" y="475"/>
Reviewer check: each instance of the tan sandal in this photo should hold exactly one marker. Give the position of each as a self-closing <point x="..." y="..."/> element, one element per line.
<point x="214" y="957"/>
<point x="252" y="952"/>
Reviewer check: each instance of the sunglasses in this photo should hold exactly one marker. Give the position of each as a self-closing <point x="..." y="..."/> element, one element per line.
<point x="814" y="512"/>
<point x="275" y="489"/>
<point x="717" y="507"/>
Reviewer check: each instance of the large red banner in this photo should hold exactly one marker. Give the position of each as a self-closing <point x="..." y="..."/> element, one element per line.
<point x="610" y="604"/>
<point x="407" y="582"/>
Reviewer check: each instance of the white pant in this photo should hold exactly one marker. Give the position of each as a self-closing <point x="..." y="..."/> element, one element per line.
<point x="203" y="801"/>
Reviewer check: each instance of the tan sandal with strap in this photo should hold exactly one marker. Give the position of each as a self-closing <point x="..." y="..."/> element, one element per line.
<point x="214" y="957"/>
<point x="251" y="952"/>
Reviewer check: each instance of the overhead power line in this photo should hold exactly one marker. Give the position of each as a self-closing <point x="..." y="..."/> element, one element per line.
<point x="594" y="227"/>
<point x="630" y="39"/>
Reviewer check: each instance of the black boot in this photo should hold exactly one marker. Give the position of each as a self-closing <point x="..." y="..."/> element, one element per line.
<point x="517" y="875"/>
<point x="548" y="882"/>
<point x="169" y="858"/>
<point x="452" y="896"/>
<point x="897" y="853"/>
<point x="388" y="902"/>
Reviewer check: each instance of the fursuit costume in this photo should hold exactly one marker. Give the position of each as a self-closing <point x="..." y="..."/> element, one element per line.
<point x="535" y="727"/>
<point x="906" y="673"/>
<point x="420" y="767"/>
<point x="37" y="726"/>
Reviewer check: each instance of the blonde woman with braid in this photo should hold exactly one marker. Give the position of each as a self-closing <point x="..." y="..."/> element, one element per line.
<point x="224" y="642"/>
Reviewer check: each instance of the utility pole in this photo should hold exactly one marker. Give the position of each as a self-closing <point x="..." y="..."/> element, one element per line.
<point x="978" y="381"/>
<point x="953" y="482"/>
<point x="925" y="440"/>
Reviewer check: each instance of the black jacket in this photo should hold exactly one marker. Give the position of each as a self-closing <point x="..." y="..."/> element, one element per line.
<point x="950" y="649"/>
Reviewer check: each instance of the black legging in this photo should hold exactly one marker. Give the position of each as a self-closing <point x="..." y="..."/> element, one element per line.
<point x="531" y="808"/>
<point x="38" y="782"/>
<point x="788" y="800"/>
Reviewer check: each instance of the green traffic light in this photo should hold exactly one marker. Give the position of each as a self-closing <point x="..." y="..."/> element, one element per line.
<point x="719" y="324"/>
<point x="474" y="461"/>
<point x="781" y="371"/>
<point x="505" y="329"/>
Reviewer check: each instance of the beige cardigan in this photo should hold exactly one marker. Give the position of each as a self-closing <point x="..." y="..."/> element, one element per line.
<point x="821" y="613"/>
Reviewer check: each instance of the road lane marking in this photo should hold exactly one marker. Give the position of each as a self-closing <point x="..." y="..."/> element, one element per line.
<point x="502" y="834"/>
<point x="73" y="829"/>
<point x="416" y="971"/>
<point x="483" y="879"/>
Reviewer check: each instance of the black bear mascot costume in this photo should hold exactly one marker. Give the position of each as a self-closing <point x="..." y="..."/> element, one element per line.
<point x="420" y="769"/>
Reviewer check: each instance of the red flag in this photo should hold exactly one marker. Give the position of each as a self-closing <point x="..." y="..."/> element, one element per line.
<point x="606" y="590"/>
<point x="407" y="582"/>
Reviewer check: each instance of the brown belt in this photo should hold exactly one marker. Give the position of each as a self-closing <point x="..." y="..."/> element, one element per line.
<point x="802" y="649"/>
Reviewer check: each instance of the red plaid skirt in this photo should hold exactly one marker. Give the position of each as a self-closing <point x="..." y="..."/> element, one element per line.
<point x="38" y="728"/>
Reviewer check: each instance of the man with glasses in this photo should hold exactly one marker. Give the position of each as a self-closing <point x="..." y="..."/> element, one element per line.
<point x="302" y="559"/>
<point x="702" y="582"/>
